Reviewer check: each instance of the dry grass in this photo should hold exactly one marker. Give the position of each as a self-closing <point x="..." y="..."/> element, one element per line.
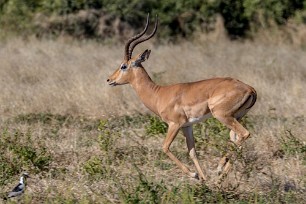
<point x="70" y="78"/>
<point x="93" y="160"/>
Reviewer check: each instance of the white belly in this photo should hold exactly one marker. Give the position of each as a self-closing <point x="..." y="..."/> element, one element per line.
<point x="192" y="121"/>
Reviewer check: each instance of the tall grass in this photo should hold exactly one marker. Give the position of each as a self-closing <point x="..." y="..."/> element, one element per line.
<point x="70" y="78"/>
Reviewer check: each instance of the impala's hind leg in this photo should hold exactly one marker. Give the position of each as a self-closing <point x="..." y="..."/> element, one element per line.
<point x="238" y="135"/>
<point x="224" y="164"/>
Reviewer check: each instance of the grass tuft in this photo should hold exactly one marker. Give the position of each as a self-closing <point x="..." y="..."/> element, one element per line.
<point x="156" y="126"/>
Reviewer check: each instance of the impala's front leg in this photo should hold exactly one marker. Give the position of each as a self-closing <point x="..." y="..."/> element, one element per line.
<point x="171" y="134"/>
<point x="191" y="150"/>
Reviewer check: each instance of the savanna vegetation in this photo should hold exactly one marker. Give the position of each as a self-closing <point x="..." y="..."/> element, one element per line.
<point x="102" y="19"/>
<point x="83" y="141"/>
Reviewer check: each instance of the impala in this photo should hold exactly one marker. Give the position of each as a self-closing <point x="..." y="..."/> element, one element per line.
<point x="181" y="105"/>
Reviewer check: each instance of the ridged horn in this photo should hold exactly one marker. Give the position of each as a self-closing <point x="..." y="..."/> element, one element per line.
<point x="143" y="39"/>
<point x="127" y="45"/>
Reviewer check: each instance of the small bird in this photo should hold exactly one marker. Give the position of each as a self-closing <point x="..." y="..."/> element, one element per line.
<point x="19" y="189"/>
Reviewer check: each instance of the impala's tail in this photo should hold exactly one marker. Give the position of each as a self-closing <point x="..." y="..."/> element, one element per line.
<point x="254" y="98"/>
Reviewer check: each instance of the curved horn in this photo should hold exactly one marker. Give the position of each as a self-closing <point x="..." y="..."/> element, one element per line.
<point x="144" y="39"/>
<point x="127" y="45"/>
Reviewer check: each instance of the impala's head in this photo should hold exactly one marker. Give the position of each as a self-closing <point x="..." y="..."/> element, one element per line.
<point x="124" y="73"/>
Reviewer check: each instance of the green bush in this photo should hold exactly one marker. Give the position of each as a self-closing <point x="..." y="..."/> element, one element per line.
<point x="291" y="145"/>
<point x="177" y="17"/>
<point x="156" y="126"/>
<point x="17" y="153"/>
<point x="94" y="168"/>
<point x="276" y="10"/>
<point x="145" y="191"/>
<point x="107" y="136"/>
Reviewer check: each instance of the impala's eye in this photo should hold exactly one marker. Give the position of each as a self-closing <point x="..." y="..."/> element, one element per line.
<point x="123" y="67"/>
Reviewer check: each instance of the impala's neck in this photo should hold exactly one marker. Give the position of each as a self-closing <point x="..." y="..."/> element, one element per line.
<point x="145" y="88"/>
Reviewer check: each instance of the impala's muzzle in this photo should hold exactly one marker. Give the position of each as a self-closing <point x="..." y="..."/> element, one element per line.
<point x="111" y="83"/>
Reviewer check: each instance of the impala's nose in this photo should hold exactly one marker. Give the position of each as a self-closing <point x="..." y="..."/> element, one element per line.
<point x="108" y="80"/>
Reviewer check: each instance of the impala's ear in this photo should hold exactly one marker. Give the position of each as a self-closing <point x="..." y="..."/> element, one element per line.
<point x="142" y="57"/>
